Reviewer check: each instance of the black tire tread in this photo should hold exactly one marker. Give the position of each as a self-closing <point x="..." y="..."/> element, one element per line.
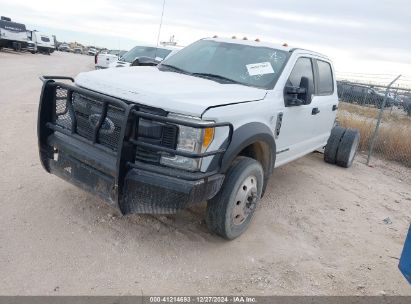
<point x="216" y="209"/>
<point x="344" y="149"/>
<point x="331" y="149"/>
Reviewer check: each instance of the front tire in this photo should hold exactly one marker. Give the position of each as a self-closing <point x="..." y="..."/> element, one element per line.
<point x="230" y="212"/>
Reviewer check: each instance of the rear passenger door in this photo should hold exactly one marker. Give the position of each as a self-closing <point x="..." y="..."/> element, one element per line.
<point x="326" y="100"/>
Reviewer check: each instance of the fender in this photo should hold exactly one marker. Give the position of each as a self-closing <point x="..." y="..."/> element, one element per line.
<point x="246" y="135"/>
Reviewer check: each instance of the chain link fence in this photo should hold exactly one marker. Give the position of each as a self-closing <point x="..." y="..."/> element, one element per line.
<point x="382" y="114"/>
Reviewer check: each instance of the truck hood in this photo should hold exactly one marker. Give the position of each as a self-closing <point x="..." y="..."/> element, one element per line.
<point x="173" y="92"/>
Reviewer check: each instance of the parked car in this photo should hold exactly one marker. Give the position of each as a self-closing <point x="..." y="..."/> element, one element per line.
<point x="78" y="50"/>
<point x="157" y="54"/>
<point x="13" y="35"/>
<point x="362" y="95"/>
<point x="209" y="123"/>
<point x="92" y="51"/>
<point x="32" y="47"/>
<point x="104" y="59"/>
<point x="64" y="47"/>
<point x="406" y="103"/>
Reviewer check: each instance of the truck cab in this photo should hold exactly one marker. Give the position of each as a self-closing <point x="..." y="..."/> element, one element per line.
<point x="156" y="54"/>
<point x="209" y="123"/>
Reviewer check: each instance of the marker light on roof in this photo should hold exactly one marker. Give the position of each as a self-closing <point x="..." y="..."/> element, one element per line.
<point x="245" y="38"/>
<point x="215" y="36"/>
<point x="285" y="44"/>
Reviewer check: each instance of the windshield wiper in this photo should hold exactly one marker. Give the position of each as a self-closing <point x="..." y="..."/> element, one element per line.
<point x="174" y="68"/>
<point x="214" y="76"/>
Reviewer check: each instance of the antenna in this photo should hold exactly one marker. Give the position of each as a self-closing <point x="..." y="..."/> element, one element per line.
<point x="161" y="24"/>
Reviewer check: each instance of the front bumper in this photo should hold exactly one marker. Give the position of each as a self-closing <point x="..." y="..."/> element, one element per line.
<point x="115" y="174"/>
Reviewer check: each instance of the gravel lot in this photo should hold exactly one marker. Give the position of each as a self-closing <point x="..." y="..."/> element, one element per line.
<point x="320" y="229"/>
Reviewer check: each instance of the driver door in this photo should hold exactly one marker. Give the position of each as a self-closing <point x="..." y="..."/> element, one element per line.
<point x="297" y="135"/>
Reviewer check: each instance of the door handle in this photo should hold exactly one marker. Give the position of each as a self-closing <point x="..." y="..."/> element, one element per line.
<point x="315" y="111"/>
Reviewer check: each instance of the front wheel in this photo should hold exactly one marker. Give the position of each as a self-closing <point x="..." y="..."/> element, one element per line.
<point x="230" y="212"/>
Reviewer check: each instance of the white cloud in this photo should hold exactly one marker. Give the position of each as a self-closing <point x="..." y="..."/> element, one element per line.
<point x="358" y="35"/>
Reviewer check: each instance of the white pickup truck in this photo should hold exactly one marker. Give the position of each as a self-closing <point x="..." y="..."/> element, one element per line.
<point x="103" y="60"/>
<point x="155" y="54"/>
<point x="208" y="124"/>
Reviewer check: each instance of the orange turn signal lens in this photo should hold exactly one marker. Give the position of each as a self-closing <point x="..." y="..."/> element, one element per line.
<point x="208" y="137"/>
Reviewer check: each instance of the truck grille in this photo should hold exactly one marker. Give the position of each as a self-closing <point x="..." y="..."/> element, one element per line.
<point x="86" y="112"/>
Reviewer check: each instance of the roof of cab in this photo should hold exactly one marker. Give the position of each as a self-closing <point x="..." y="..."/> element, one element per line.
<point x="265" y="44"/>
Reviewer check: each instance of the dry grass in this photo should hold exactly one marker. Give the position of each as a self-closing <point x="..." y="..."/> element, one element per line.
<point x="397" y="116"/>
<point x="394" y="136"/>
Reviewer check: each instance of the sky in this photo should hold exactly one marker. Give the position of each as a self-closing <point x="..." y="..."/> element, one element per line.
<point x="364" y="38"/>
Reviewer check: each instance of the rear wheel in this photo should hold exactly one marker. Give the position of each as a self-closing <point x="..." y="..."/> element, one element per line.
<point x="330" y="152"/>
<point x="348" y="148"/>
<point x="230" y="212"/>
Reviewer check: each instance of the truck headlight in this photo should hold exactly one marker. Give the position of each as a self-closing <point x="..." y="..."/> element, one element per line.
<point x="195" y="140"/>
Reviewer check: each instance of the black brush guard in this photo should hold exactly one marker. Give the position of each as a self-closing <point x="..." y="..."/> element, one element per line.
<point x="105" y="164"/>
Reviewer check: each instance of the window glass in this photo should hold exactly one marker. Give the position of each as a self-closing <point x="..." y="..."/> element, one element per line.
<point x="241" y="63"/>
<point x="325" y="81"/>
<point x="45" y="39"/>
<point x="303" y="68"/>
<point x="145" y="51"/>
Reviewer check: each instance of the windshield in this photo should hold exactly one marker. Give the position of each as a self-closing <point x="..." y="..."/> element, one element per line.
<point x="145" y="51"/>
<point x="240" y="63"/>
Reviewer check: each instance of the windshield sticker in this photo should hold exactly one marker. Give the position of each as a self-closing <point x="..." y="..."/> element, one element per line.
<point x="261" y="68"/>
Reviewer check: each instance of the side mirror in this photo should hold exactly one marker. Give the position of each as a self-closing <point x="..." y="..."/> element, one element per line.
<point x="297" y="96"/>
<point x="144" y="61"/>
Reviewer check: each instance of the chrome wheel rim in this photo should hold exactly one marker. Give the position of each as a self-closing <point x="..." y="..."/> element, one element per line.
<point x="245" y="200"/>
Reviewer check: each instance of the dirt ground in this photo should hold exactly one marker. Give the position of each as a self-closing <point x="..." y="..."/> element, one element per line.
<point x="319" y="230"/>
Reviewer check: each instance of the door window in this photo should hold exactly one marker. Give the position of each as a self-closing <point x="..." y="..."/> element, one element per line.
<point x="325" y="79"/>
<point x="302" y="68"/>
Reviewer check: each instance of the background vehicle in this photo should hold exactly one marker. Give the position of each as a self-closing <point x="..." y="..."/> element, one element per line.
<point x="157" y="54"/>
<point x="64" y="47"/>
<point x="209" y="123"/>
<point x="78" y="50"/>
<point x="362" y="95"/>
<point x="12" y="34"/>
<point x="31" y="45"/>
<point x="92" y="51"/>
<point x="406" y="103"/>
<point x="103" y="59"/>
<point x="43" y="43"/>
